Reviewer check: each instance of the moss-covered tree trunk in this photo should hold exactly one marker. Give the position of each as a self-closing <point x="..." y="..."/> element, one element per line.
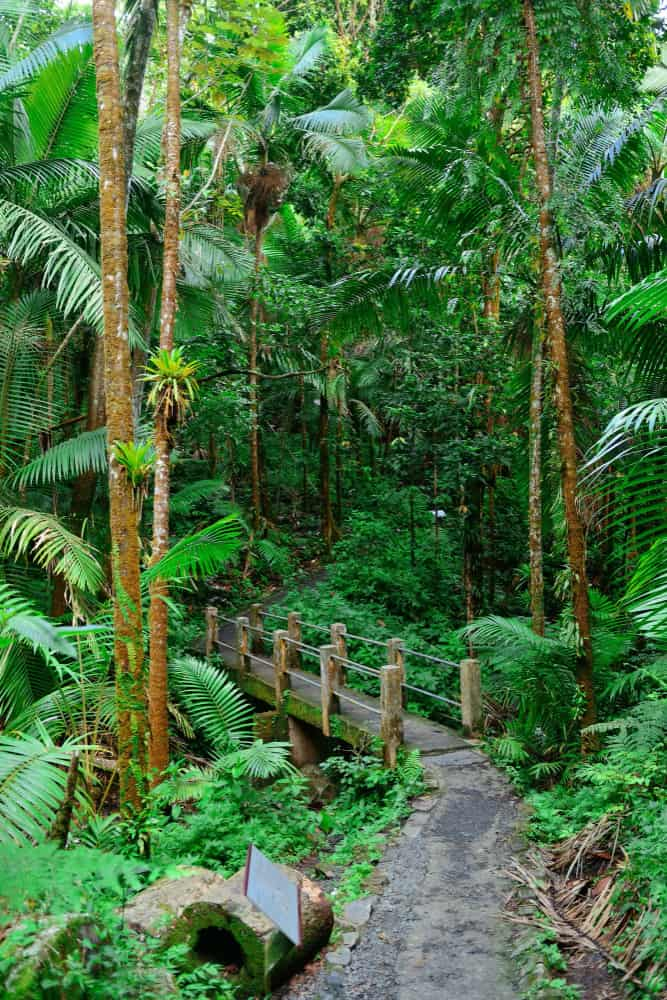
<point x="123" y="515"/>
<point x="557" y="344"/>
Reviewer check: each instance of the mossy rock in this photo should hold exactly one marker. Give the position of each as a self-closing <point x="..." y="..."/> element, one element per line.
<point x="41" y="948"/>
<point x="219" y="924"/>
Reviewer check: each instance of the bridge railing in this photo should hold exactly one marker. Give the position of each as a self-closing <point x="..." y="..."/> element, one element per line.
<point x="288" y="651"/>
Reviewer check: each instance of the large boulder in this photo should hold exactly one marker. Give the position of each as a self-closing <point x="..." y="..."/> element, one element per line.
<point x="213" y="916"/>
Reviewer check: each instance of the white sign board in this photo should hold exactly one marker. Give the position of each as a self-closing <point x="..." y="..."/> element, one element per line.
<point x="274" y="893"/>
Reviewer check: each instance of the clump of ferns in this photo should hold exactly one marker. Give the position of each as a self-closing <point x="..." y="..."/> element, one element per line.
<point x="172" y="383"/>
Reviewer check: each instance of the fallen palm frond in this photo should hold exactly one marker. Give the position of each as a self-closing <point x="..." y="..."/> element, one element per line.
<point x="578" y="898"/>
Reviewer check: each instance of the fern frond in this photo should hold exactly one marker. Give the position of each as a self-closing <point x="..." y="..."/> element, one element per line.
<point x="215" y="706"/>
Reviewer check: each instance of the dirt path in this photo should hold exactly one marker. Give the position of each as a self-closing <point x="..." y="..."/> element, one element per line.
<point x="436" y="932"/>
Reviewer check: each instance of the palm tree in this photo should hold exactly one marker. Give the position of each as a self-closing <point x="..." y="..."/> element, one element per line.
<point x="557" y="343"/>
<point x="158" y="614"/>
<point x="276" y="123"/>
<point x="123" y="517"/>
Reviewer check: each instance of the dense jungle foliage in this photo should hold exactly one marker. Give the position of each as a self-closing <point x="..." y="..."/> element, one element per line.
<point x="356" y="305"/>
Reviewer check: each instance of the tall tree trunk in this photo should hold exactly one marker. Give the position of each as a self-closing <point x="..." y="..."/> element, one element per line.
<point x="253" y="385"/>
<point x="535" y="481"/>
<point x="135" y="71"/>
<point x="492" y="315"/>
<point x="473" y="548"/>
<point x="328" y="526"/>
<point x="123" y="515"/>
<point x="158" y="613"/>
<point x="557" y="342"/>
<point x="83" y="490"/>
<point x="304" y="444"/>
<point x="339" y="460"/>
<point x="326" y="513"/>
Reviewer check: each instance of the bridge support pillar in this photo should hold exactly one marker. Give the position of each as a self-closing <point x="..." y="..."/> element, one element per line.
<point x="330" y="682"/>
<point x="280" y="665"/>
<point x="294" y="632"/>
<point x="472" y="712"/>
<point x="243" y="645"/>
<point x="391" y="721"/>
<point x="257" y="623"/>
<point x="309" y="745"/>
<point x="396" y="655"/>
<point x="211" y="631"/>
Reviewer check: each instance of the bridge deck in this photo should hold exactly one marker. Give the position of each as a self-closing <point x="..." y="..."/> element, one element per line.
<point x="360" y="716"/>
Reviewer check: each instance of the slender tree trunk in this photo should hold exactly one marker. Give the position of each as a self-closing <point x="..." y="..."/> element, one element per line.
<point x="304" y="443"/>
<point x="83" y="490"/>
<point x="535" y="482"/>
<point x="473" y="548"/>
<point x="135" y="71"/>
<point x="492" y="315"/>
<point x="158" y="613"/>
<point x="326" y="513"/>
<point x="253" y="383"/>
<point x="339" y="460"/>
<point x="123" y="515"/>
<point x="557" y="342"/>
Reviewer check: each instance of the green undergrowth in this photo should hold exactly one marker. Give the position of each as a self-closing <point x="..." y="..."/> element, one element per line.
<point x="324" y="604"/>
<point x="101" y="871"/>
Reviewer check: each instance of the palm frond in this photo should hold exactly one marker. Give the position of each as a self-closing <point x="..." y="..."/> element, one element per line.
<point x="260" y="761"/>
<point x="341" y="154"/>
<point x="343" y="115"/>
<point x="61" y="107"/>
<point x="32" y="784"/>
<point x="43" y="539"/>
<point x="215" y="706"/>
<point x="72" y="36"/>
<point x="200" y="554"/>
<point x="307" y="49"/>
<point x="87" y="452"/>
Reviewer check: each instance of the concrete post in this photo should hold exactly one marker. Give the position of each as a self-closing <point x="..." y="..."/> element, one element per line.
<point x="471" y="698"/>
<point x="396" y="655"/>
<point x="391" y="720"/>
<point x="339" y="640"/>
<point x="242" y="645"/>
<point x="294" y="632"/>
<point x="211" y="616"/>
<point x="280" y="666"/>
<point x="330" y="682"/>
<point x="257" y="644"/>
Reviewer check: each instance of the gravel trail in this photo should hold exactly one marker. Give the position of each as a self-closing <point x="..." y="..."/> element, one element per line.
<point x="436" y="931"/>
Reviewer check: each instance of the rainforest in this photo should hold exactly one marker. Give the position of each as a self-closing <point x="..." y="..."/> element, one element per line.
<point x="333" y="504"/>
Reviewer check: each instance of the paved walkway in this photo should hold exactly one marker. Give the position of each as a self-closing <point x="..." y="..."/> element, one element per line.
<point x="436" y="932"/>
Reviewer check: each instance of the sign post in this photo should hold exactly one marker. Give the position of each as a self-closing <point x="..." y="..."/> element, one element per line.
<point x="274" y="893"/>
